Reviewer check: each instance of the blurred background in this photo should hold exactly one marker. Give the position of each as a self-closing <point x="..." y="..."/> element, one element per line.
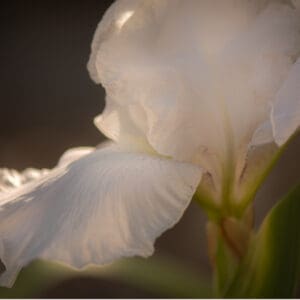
<point x="47" y="105"/>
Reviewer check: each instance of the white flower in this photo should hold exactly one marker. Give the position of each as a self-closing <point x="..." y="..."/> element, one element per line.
<point x="193" y="88"/>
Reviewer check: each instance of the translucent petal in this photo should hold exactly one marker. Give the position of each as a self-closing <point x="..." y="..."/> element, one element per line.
<point x="11" y="179"/>
<point x="195" y="80"/>
<point x="286" y="109"/>
<point x="106" y="205"/>
<point x="258" y="62"/>
<point x="262" y="135"/>
<point x="73" y="154"/>
<point x="171" y="60"/>
<point x="124" y="124"/>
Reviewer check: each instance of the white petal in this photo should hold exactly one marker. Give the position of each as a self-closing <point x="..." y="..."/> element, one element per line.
<point x="258" y="62"/>
<point x="286" y="109"/>
<point x="106" y="27"/>
<point x="185" y="94"/>
<point x="194" y="79"/>
<point x="119" y="124"/>
<point x="11" y="179"/>
<point x="106" y="205"/>
<point x="73" y="154"/>
<point x="262" y="135"/>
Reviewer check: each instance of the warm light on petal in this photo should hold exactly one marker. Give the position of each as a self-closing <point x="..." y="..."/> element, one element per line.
<point x="286" y="109"/>
<point x="124" y="18"/>
<point x="192" y="87"/>
<point x="107" y="205"/>
<point x="73" y="154"/>
<point x="12" y="179"/>
<point x="196" y="80"/>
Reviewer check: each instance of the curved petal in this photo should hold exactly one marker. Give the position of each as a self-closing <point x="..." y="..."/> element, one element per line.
<point x="106" y="205"/>
<point x="73" y="154"/>
<point x="11" y="179"/>
<point x="262" y="135"/>
<point x="107" y="27"/>
<point x="286" y="109"/>
<point x="259" y="61"/>
<point x="119" y="124"/>
<point x="191" y="81"/>
<point x="185" y="95"/>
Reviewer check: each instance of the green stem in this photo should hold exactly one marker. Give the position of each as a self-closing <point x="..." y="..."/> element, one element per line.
<point x="211" y="208"/>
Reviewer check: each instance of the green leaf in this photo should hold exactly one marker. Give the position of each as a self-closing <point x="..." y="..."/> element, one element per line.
<point x="270" y="270"/>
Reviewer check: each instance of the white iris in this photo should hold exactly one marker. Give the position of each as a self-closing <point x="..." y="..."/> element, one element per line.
<point x="195" y="89"/>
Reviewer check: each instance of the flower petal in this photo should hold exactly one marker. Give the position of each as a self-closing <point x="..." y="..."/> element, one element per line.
<point x="73" y="154"/>
<point x="259" y="61"/>
<point x="11" y="179"/>
<point x="262" y="135"/>
<point x="207" y="103"/>
<point x="120" y="123"/>
<point x="146" y="67"/>
<point x="188" y="102"/>
<point x="106" y="205"/>
<point x="286" y="109"/>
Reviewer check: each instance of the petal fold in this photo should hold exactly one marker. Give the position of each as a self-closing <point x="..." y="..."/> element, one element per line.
<point x="286" y="109"/>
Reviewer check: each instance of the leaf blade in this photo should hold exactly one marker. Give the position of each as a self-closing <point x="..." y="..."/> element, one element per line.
<point x="270" y="270"/>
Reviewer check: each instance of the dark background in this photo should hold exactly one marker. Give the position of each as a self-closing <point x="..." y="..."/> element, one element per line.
<point x="47" y="105"/>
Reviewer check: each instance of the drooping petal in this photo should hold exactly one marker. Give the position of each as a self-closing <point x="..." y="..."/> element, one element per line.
<point x="109" y="24"/>
<point x="106" y="205"/>
<point x="286" y="109"/>
<point x="11" y="179"/>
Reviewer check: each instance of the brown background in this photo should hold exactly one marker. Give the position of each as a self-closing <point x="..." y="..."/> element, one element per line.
<point x="47" y="104"/>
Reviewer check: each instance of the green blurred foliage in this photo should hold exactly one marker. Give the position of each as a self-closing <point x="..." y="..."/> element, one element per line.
<point x="271" y="268"/>
<point x="163" y="276"/>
